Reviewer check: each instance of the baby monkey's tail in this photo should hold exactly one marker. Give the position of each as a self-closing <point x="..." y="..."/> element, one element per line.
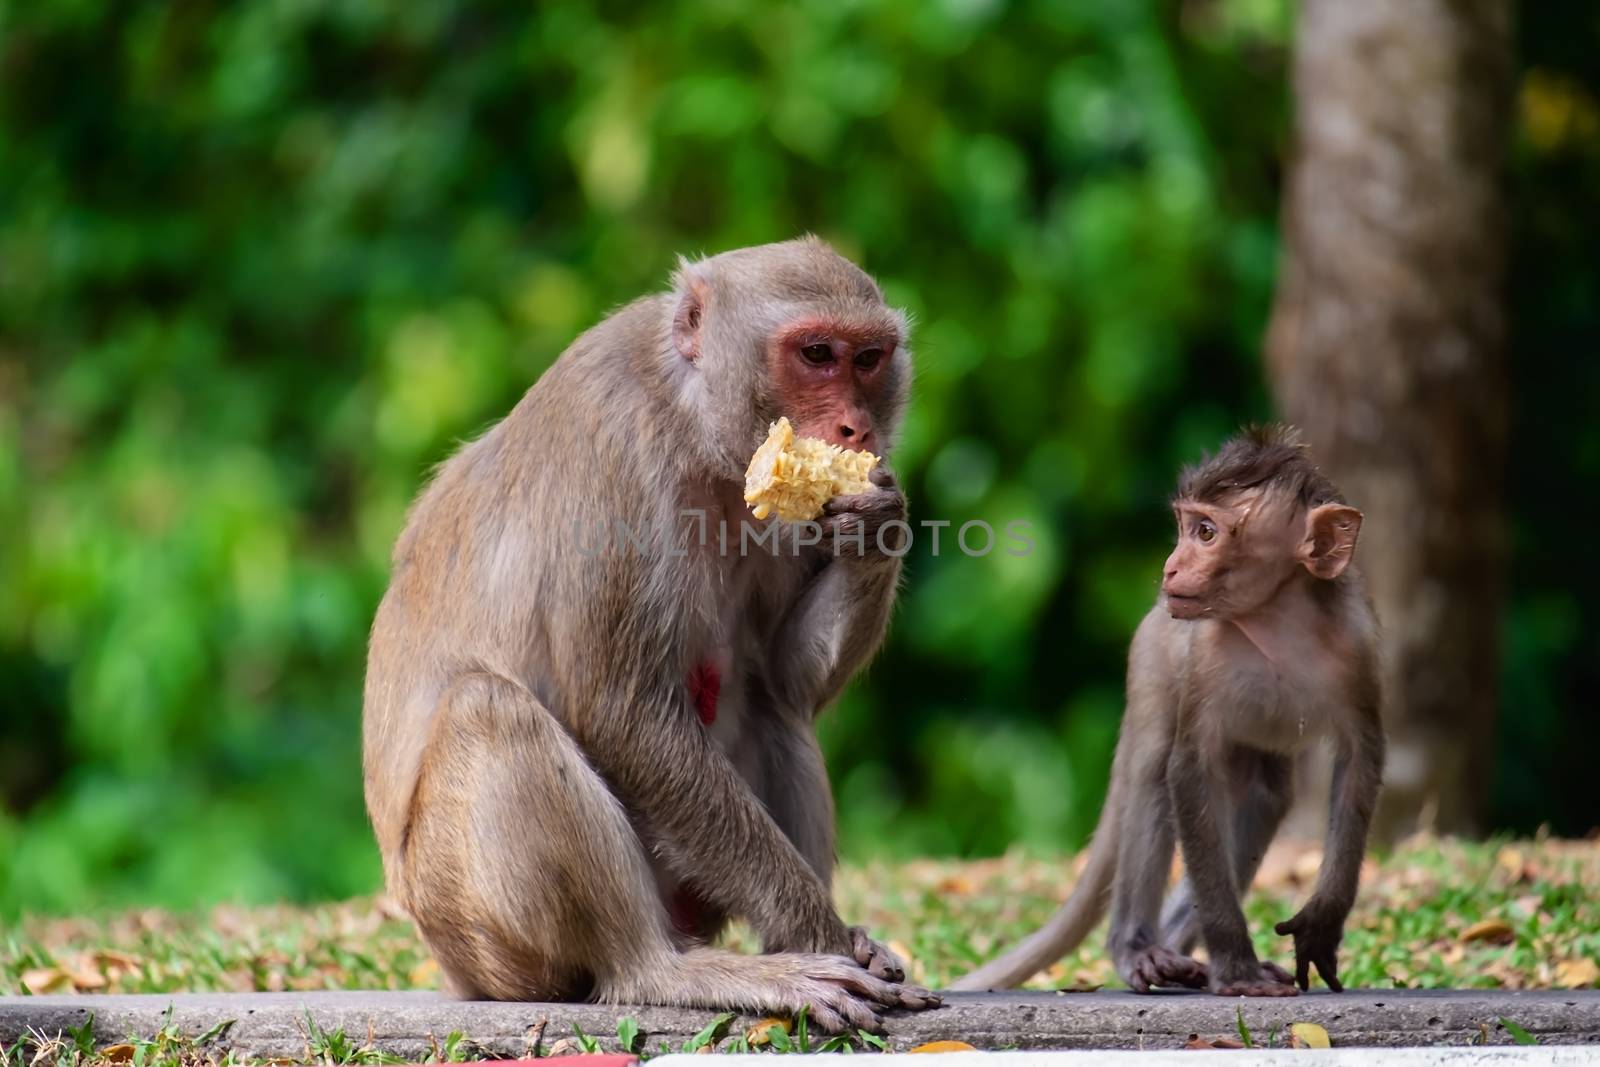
<point x="1072" y="922"/>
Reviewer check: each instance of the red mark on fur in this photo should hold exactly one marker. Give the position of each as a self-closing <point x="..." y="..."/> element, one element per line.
<point x="705" y="685"/>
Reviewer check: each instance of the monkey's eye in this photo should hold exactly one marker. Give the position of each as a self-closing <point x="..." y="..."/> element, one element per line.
<point x="868" y="358"/>
<point x="1205" y="531"/>
<point x="817" y="354"/>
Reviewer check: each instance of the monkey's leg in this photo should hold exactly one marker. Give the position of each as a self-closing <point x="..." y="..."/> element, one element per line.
<point x="1262" y="799"/>
<point x="1144" y="863"/>
<point x="528" y="882"/>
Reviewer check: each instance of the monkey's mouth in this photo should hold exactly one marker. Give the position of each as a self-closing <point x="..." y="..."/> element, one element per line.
<point x="1185" y="607"/>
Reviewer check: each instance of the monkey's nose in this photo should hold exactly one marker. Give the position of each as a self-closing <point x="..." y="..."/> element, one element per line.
<point x="851" y="437"/>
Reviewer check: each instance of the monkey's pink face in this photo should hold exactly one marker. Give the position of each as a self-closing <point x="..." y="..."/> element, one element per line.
<point x="1190" y="577"/>
<point x="832" y="379"/>
<point x="1234" y="556"/>
<point x="1229" y="559"/>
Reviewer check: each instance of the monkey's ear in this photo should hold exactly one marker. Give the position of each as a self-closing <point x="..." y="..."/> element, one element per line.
<point x="1330" y="541"/>
<point x="693" y="290"/>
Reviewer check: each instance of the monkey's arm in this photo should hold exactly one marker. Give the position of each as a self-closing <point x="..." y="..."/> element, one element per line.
<point x="710" y="828"/>
<point x="794" y="788"/>
<point x="1319" y="926"/>
<point x="832" y="631"/>
<point x="839" y="620"/>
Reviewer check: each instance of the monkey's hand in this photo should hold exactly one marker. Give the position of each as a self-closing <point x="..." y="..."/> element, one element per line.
<point x="1317" y="930"/>
<point x="879" y="961"/>
<point x="856" y="521"/>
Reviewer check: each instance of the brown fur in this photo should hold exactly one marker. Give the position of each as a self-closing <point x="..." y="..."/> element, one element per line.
<point x="544" y="795"/>
<point x="1263" y="641"/>
<point x="1272" y="457"/>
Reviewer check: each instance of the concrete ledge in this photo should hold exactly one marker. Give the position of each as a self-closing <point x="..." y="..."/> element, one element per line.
<point x="274" y="1024"/>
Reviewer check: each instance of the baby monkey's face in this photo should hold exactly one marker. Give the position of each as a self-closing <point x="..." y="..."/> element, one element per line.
<point x="1232" y="555"/>
<point x="1235" y="554"/>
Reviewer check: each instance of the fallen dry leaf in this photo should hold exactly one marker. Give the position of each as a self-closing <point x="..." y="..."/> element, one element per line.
<point x="1494" y="931"/>
<point x="1577" y="974"/>
<point x="86" y="980"/>
<point x="760" y="1033"/>
<point x="426" y="973"/>
<point x="1511" y="861"/>
<point x="1196" y="1041"/>
<point x="566" y="1046"/>
<point x="1516" y="866"/>
<point x="106" y="957"/>
<point x="117" y="1053"/>
<point x="1308" y="1035"/>
<point x="957" y="885"/>
<point x="1503" y="974"/>
<point x="945" y="1046"/>
<point x="43" y="980"/>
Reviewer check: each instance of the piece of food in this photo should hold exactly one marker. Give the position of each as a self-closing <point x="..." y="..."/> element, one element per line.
<point x="795" y="476"/>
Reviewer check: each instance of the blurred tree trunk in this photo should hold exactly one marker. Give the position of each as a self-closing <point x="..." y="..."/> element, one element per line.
<point x="1386" y="347"/>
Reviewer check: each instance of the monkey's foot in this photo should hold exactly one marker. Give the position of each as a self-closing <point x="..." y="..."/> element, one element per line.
<point x="841" y="996"/>
<point x="879" y="961"/>
<point x="914" y="997"/>
<point x="1271" y="981"/>
<point x="1156" y="966"/>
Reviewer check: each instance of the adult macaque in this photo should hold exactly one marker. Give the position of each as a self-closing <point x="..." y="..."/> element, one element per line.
<point x="1263" y="640"/>
<point x="579" y="763"/>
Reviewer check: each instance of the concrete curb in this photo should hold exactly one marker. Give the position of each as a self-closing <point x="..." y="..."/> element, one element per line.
<point x="275" y="1024"/>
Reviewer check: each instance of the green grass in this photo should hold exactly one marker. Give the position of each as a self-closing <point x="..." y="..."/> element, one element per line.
<point x="1528" y="909"/>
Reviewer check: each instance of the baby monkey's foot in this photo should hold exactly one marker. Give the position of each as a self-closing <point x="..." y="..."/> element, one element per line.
<point x="1156" y="966"/>
<point x="1270" y="981"/>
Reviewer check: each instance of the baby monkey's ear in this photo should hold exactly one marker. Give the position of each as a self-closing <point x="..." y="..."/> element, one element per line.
<point x="1330" y="541"/>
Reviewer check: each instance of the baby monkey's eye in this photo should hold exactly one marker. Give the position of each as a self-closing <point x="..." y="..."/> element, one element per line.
<point x="1206" y="531"/>
<point x="817" y="354"/>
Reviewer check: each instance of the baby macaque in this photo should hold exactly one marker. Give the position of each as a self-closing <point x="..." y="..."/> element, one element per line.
<point x="1262" y="641"/>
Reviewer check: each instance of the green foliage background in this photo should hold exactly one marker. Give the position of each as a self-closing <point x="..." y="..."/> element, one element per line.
<point x="264" y="262"/>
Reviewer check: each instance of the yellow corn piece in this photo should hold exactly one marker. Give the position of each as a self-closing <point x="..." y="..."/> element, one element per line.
<point x="795" y="476"/>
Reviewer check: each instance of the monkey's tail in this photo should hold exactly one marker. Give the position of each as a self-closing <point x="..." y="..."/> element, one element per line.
<point x="1072" y="922"/>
